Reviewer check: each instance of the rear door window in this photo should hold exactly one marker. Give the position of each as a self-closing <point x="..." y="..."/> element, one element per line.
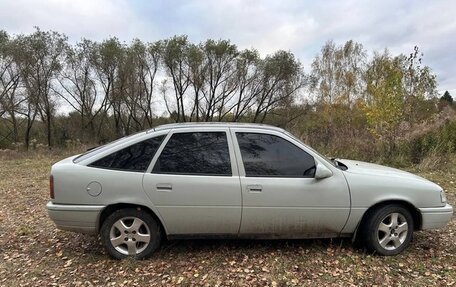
<point x="195" y="153"/>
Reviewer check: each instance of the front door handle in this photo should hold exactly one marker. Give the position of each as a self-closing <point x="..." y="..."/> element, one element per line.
<point x="254" y="188"/>
<point x="164" y="187"/>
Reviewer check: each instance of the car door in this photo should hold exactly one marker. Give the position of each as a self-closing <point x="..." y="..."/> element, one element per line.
<point x="280" y="195"/>
<point x="193" y="181"/>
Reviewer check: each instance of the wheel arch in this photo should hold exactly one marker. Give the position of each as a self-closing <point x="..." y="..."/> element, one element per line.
<point x="116" y="206"/>
<point x="416" y="215"/>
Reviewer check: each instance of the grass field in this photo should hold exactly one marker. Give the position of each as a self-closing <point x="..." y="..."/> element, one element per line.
<point x="34" y="253"/>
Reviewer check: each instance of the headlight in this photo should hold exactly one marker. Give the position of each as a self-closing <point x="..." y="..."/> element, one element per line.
<point x="443" y="196"/>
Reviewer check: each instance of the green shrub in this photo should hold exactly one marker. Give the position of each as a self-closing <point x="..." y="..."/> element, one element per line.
<point x="441" y="141"/>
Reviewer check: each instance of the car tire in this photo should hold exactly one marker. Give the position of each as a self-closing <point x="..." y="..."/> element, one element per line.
<point x="130" y="232"/>
<point x="387" y="230"/>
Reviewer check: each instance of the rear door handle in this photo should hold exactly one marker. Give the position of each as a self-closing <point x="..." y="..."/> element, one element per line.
<point x="254" y="188"/>
<point x="164" y="187"/>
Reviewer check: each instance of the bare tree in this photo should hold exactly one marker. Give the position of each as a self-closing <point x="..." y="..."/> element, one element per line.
<point x="77" y="85"/>
<point x="39" y="60"/>
<point x="10" y="101"/>
<point x="198" y="74"/>
<point x="281" y="78"/>
<point x="106" y="59"/>
<point x="221" y="87"/>
<point x="140" y="68"/>
<point x="249" y="83"/>
<point x="175" y="61"/>
<point x="419" y="84"/>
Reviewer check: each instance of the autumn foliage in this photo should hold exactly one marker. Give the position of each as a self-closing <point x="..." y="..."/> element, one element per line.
<point x="349" y="103"/>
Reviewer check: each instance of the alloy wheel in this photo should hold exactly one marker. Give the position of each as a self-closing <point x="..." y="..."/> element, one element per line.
<point x="392" y="231"/>
<point x="130" y="235"/>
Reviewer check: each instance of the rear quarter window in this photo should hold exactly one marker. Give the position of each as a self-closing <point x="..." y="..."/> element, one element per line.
<point x="97" y="150"/>
<point x="136" y="157"/>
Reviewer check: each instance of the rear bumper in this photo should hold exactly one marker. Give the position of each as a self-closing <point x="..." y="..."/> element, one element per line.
<point x="77" y="218"/>
<point x="436" y="217"/>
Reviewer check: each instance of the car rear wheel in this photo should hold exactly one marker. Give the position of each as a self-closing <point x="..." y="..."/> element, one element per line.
<point x="387" y="230"/>
<point x="130" y="232"/>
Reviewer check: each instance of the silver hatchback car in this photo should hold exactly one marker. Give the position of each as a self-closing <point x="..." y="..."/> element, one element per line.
<point x="235" y="181"/>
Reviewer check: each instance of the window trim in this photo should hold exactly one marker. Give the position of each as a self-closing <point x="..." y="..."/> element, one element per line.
<point x="232" y="158"/>
<point x="281" y="135"/>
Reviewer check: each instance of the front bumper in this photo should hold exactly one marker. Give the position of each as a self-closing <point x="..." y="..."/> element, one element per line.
<point x="77" y="218"/>
<point x="436" y="217"/>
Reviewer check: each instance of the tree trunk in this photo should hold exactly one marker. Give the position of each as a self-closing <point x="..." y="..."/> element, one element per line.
<point x="49" y="130"/>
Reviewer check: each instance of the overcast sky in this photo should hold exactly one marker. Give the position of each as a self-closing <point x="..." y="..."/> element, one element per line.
<point x="299" y="26"/>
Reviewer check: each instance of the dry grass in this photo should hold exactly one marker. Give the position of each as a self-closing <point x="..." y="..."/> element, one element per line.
<point x="34" y="253"/>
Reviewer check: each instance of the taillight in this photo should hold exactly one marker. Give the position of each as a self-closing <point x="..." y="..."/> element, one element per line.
<point x="51" y="187"/>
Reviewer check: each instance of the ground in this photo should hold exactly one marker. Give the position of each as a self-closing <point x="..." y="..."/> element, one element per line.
<point x="34" y="253"/>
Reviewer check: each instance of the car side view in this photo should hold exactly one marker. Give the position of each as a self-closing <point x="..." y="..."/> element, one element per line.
<point x="203" y="180"/>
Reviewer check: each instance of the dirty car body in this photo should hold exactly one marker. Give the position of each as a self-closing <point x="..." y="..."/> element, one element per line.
<point x="235" y="181"/>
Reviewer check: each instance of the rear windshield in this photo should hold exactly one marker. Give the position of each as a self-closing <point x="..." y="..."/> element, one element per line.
<point x="97" y="150"/>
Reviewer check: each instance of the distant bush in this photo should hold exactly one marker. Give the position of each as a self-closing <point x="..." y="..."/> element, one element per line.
<point x="440" y="141"/>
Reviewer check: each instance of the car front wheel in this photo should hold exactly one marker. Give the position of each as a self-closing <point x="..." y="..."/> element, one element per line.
<point x="387" y="230"/>
<point x="130" y="232"/>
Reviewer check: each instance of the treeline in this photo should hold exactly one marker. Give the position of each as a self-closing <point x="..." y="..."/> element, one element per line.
<point x="348" y="97"/>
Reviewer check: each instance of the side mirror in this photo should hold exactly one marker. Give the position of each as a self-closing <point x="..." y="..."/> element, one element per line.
<point x="322" y="171"/>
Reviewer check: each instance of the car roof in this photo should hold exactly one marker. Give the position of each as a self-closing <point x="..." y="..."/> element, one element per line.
<point x="190" y="125"/>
